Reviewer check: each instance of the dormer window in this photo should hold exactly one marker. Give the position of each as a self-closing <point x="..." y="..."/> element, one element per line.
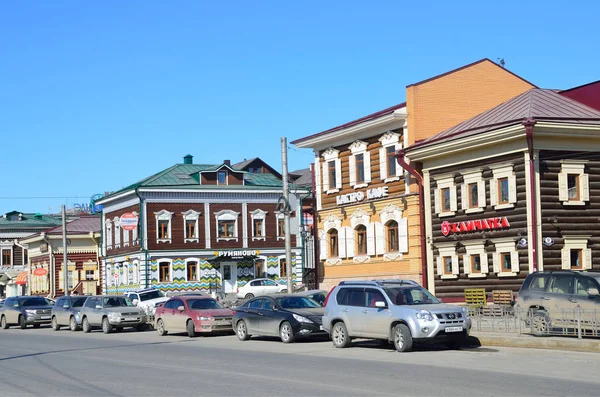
<point x="221" y="177"/>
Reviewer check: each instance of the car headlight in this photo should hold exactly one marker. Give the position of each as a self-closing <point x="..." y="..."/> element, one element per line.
<point x="465" y="311"/>
<point x="301" y="319"/>
<point x="203" y="318"/>
<point x="114" y="315"/>
<point x="425" y="315"/>
<point x="30" y="312"/>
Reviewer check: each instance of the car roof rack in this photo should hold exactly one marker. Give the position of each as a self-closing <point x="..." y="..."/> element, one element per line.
<point x="378" y="282"/>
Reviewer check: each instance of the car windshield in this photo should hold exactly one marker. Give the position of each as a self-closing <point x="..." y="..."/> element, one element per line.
<point x="203" y="304"/>
<point x="297" y="302"/>
<point x="78" y="302"/>
<point x="117" y="302"/>
<point x="410" y="296"/>
<point x="34" y="302"/>
<point x="151" y="295"/>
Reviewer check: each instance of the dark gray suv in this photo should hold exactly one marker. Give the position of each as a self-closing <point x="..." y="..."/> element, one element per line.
<point x="66" y="312"/>
<point x="25" y="310"/>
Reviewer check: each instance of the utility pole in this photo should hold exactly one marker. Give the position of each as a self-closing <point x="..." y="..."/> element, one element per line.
<point x="286" y="216"/>
<point x="65" y="265"/>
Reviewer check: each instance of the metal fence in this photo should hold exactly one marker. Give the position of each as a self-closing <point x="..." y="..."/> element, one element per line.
<point x="516" y="320"/>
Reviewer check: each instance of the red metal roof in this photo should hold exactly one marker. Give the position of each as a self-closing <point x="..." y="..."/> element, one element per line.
<point x="588" y="94"/>
<point x="85" y="224"/>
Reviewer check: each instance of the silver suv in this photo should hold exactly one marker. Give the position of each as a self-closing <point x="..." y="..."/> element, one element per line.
<point x="111" y="312"/>
<point x="395" y="311"/>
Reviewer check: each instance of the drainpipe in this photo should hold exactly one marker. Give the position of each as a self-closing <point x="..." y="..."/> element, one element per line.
<point x="419" y="179"/>
<point x="528" y="123"/>
<point x="141" y="238"/>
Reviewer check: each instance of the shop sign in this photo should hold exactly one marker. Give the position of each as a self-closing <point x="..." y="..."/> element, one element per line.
<point x="237" y="253"/>
<point x="355" y="197"/>
<point x="129" y="221"/>
<point x="472" y="226"/>
<point x="40" y="272"/>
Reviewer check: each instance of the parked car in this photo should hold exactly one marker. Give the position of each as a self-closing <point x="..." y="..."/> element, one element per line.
<point x="551" y="299"/>
<point x="111" y="312"/>
<point x="395" y="311"/>
<point x="66" y="312"/>
<point x="194" y="314"/>
<point x="286" y="316"/>
<point x="1" y="302"/>
<point x="315" y="294"/>
<point x="24" y="311"/>
<point x="260" y="286"/>
<point x="148" y="300"/>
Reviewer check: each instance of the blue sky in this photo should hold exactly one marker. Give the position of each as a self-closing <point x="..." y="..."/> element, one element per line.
<point x="97" y="95"/>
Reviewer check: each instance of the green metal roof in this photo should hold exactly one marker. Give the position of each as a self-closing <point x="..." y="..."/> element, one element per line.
<point x="28" y="220"/>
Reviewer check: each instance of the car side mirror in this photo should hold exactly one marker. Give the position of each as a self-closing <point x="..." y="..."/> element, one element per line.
<point x="135" y="302"/>
<point x="593" y="292"/>
<point x="98" y="306"/>
<point x="380" y="304"/>
<point x="181" y="308"/>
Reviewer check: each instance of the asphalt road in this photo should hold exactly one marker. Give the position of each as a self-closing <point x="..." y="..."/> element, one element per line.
<point x="44" y="362"/>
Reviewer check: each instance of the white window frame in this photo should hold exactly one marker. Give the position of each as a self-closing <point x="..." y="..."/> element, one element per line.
<point x="443" y="182"/>
<point x="503" y="171"/>
<point x="332" y="222"/>
<point x="109" y="234"/>
<point x="125" y="277"/>
<point x="573" y="167"/>
<point x="261" y="215"/>
<point x="227" y="215"/>
<point x="358" y="148"/>
<point x="279" y="215"/>
<point x="117" y="232"/>
<point x="197" y="260"/>
<point x="158" y="262"/>
<point x="579" y="243"/>
<point x="445" y="250"/>
<point x="191" y="215"/>
<point x="226" y="177"/>
<point x="125" y="238"/>
<point x="332" y="154"/>
<point x="505" y="246"/>
<point x="475" y="248"/>
<point x="164" y="215"/>
<point x="389" y="139"/>
<point x="469" y="178"/>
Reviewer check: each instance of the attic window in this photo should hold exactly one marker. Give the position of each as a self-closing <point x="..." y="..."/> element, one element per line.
<point x="182" y="175"/>
<point x="222" y="178"/>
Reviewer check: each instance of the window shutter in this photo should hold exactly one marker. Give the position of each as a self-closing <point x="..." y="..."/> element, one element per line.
<point x="399" y="170"/>
<point x="481" y="193"/>
<point x="584" y="180"/>
<point x="352" y="170"/>
<point x="463" y="197"/>
<point x="380" y="246"/>
<point x="484" y="262"/>
<point x="371" y="239"/>
<point x="436" y="197"/>
<point x="382" y="164"/>
<point x="323" y="245"/>
<point x="367" y="167"/>
<point x="587" y="258"/>
<point x="453" y="203"/>
<point x="440" y="269"/>
<point x="467" y="264"/>
<point x="493" y="188"/>
<point x="455" y="265"/>
<point x="515" y="266"/>
<point x="338" y="173"/>
<point x="342" y="242"/>
<point x="562" y="187"/>
<point x="512" y="189"/>
<point x="349" y="242"/>
<point x="565" y="254"/>
<point x="325" y="176"/>
<point x="497" y="262"/>
<point x="403" y="235"/>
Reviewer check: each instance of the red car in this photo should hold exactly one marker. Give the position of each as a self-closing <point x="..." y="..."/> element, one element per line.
<point x="194" y="314"/>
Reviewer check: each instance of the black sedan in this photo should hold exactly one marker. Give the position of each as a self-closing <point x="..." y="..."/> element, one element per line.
<point x="286" y="316"/>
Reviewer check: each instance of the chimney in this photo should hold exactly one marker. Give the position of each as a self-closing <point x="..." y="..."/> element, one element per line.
<point x="188" y="159"/>
<point x="227" y="162"/>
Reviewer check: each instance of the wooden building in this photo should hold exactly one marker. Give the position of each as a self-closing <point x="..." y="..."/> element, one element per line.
<point x="195" y="227"/>
<point x="513" y="190"/>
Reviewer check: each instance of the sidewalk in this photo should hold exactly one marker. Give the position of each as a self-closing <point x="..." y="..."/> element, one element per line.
<point x="589" y="345"/>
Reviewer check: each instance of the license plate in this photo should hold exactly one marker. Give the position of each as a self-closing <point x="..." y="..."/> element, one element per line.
<point x="222" y="322"/>
<point x="454" y="329"/>
<point x="130" y="318"/>
<point x="45" y="317"/>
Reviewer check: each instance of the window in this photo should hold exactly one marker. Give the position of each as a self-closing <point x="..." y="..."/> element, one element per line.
<point x="475" y="264"/>
<point x="360" y="168"/>
<point x="359" y="165"/>
<point x="445" y="196"/>
<point x="575" y="254"/>
<point x="192" y="271"/>
<point x="390" y="155"/>
<point x="227" y="225"/>
<point x="473" y="195"/>
<point x="573" y="183"/>
<point x="280" y="227"/>
<point x="539" y="282"/>
<point x="165" y="272"/>
<point x="190" y="219"/>
<point x="503" y="187"/>
<point x="163" y="226"/>
<point x="163" y="229"/>
<point x="475" y="260"/>
<point x="6" y="258"/>
<point x="226" y="229"/>
<point x="90" y="275"/>
<point x="333" y="243"/>
<point x="562" y="284"/>
<point x="506" y="257"/>
<point x="117" y="224"/>
<point x="222" y="178"/>
<point x="190" y="229"/>
<point x="282" y="268"/>
<point x="125" y="237"/>
<point x="447" y="261"/>
<point x="392" y="236"/>
<point x="258" y="224"/>
<point x="259" y="268"/>
<point x="258" y="228"/>
<point x="361" y="240"/>
<point x="583" y="285"/>
<point x="388" y="166"/>
<point x="108" y="239"/>
<point x="332" y="171"/>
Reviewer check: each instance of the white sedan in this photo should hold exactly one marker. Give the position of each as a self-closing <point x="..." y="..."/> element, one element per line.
<point x="260" y="286"/>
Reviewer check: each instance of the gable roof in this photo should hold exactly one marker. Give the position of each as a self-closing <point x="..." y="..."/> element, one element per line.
<point x="83" y="225"/>
<point x="537" y="103"/>
<point x="28" y="220"/>
<point x="302" y="177"/>
<point x="242" y="165"/>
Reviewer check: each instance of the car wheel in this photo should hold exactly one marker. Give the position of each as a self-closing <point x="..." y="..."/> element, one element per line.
<point x="86" y="325"/>
<point x="160" y="327"/>
<point x="106" y="327"/>
<point x="286" y="333"/>
<point x="339" y="335"/>
<point x="3" y="323"/>
<point x="242" y="330"/>
<point x="191" y="330"/>
<point x="72" y="324"/>
<point x="402" y="338"/>
<point x="54" y="324"/>
<point x="540" y="323"/>
<point x="249" y="296"/>
<point x="22" y="322"/>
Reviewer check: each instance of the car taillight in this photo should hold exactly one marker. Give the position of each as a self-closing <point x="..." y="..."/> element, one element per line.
<point x="327" y="297"/>
<point x="234" y="312"/>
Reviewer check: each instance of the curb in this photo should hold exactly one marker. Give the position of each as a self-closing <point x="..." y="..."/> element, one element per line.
<point x="532" y="342"/>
